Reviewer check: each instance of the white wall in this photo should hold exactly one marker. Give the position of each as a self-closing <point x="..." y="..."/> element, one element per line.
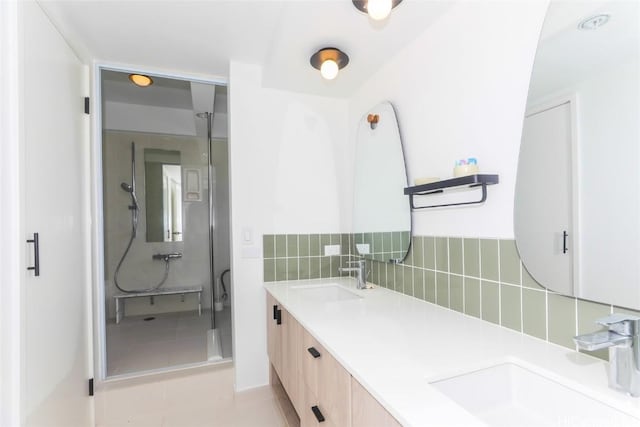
<point x="291" y="172"/>
<point x="460" y="91"/>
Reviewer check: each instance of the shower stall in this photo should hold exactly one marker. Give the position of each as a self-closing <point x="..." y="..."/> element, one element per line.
<point x="166" y="216"/>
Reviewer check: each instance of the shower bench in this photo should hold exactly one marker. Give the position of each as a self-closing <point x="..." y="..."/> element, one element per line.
<point x="120" y="298"/>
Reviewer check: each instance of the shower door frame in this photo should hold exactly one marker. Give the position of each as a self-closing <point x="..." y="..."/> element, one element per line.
<point x="97" y="212"/>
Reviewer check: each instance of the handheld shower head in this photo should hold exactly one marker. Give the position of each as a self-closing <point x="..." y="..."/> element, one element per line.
<point x="129" y="189"/>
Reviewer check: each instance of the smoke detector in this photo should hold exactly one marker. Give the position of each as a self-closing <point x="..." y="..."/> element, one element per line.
<point x="593" y="22"/>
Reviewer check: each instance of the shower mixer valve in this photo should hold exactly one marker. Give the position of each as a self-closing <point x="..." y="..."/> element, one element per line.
<point x="167" y="257"/>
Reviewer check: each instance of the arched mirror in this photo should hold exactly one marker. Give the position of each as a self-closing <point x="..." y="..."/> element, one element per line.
<point x="382" y="218"/>
<point x="577" y="203"/>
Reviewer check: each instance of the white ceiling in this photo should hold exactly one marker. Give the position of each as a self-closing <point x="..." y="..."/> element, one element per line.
<point x="201" y="37"/>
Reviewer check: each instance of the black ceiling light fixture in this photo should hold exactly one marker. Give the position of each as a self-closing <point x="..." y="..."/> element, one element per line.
<point x="329" y="61"/>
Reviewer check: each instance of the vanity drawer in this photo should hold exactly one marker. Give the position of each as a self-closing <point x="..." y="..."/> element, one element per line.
<point x="327" y="384"/>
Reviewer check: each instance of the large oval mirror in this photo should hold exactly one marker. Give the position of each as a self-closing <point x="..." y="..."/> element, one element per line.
<point x="382" y="218"/>
<point x="577" y="202"/>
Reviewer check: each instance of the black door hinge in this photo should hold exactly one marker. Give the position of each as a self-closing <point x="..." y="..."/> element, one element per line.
<point x="91" y="387"/>
<point x="86" y="105"/>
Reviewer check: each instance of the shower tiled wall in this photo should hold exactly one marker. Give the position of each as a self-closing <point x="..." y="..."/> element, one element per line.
<point x="483" y="278"/>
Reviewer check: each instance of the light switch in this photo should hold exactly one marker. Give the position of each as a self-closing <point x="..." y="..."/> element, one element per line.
<point x="247" y="235"/>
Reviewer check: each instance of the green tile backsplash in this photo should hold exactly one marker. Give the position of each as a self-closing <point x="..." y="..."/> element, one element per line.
<point x="534" y="313"/>
<point x="383" y="246"/>
<point x="490" y="301"/>
<point x="301" y="256"/>
<point x="483" y="278"/>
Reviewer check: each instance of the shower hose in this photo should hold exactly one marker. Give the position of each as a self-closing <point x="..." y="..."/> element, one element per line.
<point x="134" y="229"/>
<point x="224" y="288"/>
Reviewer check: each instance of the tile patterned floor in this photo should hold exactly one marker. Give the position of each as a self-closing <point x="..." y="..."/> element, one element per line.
<point x="170" y="339"/>
<point x="198" y="397"/>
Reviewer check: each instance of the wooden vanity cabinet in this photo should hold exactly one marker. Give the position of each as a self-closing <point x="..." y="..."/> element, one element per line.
<point x="313" y="378"/>
<point x="290" y="361"/>
<point x="366" y="411"/>
<point x="282" y="339"/>
<point x="274" y="335"/>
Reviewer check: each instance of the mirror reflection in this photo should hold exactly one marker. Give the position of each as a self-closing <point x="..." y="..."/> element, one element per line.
<point x="577" y="204"/>
<point x="382" y="218"/>
<point x="163" y="195"/>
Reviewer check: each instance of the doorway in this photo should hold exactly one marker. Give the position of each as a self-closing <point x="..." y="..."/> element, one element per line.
<point x="165" y="285"/>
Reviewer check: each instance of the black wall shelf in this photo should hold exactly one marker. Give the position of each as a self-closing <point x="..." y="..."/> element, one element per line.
<point x="470" y="181"/>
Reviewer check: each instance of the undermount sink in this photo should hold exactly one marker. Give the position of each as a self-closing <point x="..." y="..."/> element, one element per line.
<point x="326" y="292"/>
<point x="510" y="395"/>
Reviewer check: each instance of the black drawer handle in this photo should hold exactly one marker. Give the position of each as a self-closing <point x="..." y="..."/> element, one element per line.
<point x="275" y="312"/>
<point x="279" y="317"/>
<point x="36" y="254"/>
<point x="315" y="353"/>
<point x="317" y="413"/>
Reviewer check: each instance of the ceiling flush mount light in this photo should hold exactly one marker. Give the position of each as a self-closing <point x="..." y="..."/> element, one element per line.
<point x="593" y="22"/>
<point x="329" y="61"/>
<point x="140" y="80"/>
<point x="376" y="9"/>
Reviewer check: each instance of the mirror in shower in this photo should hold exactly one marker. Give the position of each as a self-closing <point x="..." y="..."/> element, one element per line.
<point x="163" y="195"/>
<point x="382" y="218"/>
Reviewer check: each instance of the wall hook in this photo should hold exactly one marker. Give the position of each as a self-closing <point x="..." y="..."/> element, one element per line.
<point x="373" y="120"/>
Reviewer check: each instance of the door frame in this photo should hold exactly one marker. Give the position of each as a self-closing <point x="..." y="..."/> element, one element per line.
<point x="97" y="229"/>
<point x="11" y="243"/>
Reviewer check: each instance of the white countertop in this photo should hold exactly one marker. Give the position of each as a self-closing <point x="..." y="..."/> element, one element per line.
<point x="394" y="345"/>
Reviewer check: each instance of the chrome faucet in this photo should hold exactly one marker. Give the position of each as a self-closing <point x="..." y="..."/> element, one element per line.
<point x="360" y="270"/>
<point x="622" y="338"/>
